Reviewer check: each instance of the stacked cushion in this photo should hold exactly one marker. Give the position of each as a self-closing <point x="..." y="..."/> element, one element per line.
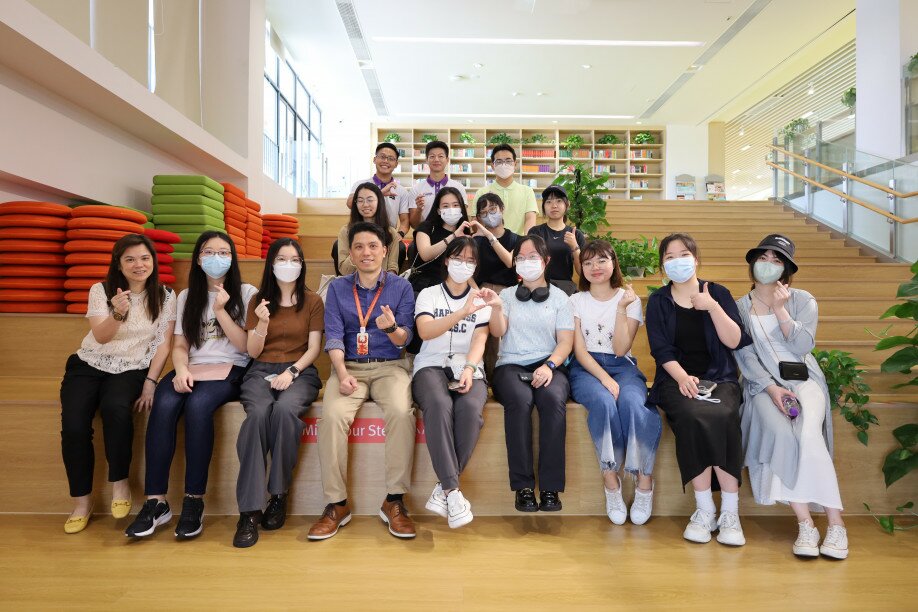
<point x="254" y="232"/>
<point x="281" y="226"/>
<point x="165" y="243"/>
<point x="91" y="235"/>
<point x="187" y="206"/>
<point x="265" y="242"/>
<point x="236" y="215"/>
<point x="32" y="267"/>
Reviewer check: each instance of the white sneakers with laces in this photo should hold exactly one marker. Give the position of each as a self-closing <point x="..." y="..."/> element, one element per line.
<point x="807" y="543"/>
<point x="459" y="508"/>
<point x="436" y="503"/>
<point x="836" y="543"/>
<point x="642" y="506"/>
<point x="730" y="531"/>
<point x="700" y="526"/>
<point x="615" y="505"/>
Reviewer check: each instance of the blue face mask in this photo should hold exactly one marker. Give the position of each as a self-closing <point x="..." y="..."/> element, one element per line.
<point x="679" y="270"/>
<point x="215" y="266"/>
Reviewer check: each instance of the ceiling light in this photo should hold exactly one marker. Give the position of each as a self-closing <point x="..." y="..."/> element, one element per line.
<point x="515" y="94"/>
<point x="470" y="121"/>
<point x="742" y="131"/>
<point x="478" y="65"/>
<point x="807" y="115"/>
<point x="542" y="42"/>
<point x="745" y="148"/>
<point x="456" y="77"/>
<point x="758" y="176"/>
<point x="512" y="116"/>
<point x="555" y="121"/>
<point x="586" y="66"/>
<point x="640" y="123"/>
<point x="811" y="90"/>
<point x="735" y="171"/>
<point x="851" y="116"/>
<point x="540" y="93"/>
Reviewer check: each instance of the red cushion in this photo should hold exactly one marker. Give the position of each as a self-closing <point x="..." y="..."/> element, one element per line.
<point x="81" y="295"/>
<point x="89" y="246"/>
<point x="77" y="308"/>
<point x="30" y="246"/>
<point x="167" y="279"/>
<point x="46" y="221"/>
<point x="87" y="271"/>
<point x="103" y="223"/>
<point x="31" y="295"/>
<point x="159" y="235"/>
<point x="33" y="233"/>
<point x="34" y="307"/>
<point x="165" y="270"/>
<point x="14" y="282"/>
<point x="33" y="271"/>
<point x="34" y="208"/>
<point x="32" y="259"/>
<point x="163" y="258"/>
<point x="100" y="259"/>
<point x="163" y="247"/>
<point x="110" y="212"/>
<point x="80" y="283"/>
<point x="96" y="234"/>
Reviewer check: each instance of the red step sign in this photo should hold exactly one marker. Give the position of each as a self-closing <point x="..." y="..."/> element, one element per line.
<point x="363" y="431"/>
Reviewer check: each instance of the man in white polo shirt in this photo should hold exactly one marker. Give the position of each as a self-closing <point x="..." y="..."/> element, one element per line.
<point x="398" y="198"/>
<point x="519" y="200"/>
<point x="437" y="153"/>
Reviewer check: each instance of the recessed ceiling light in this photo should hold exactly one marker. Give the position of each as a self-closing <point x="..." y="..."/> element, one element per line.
<point x="564" y="42"/>
<point x="745" y="148"/>
<point x="513" y="116"/>
<point x="478" y="65"/>
<point x="515" y="94"/>
<point x="456" y="77"/>
<point x="851" y="116"/>
<point x="586" y="66"/>
<point x="554" y="121"/>
<point x="811" y="90"/>
<point x="540" y="93"/>
<point x="758" y="176"/>
<point x="640" y="123"/>
<point x="470" y="121"/>
<point x="742" y="131"/>
<point x="807" y="115"/>
<point x="735" y="171"/>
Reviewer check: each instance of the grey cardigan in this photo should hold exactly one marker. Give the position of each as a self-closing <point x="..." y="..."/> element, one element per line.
<point x="770" y="442"/>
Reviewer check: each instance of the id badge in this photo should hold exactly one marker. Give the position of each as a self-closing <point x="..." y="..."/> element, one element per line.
<point x="363" y="344"/>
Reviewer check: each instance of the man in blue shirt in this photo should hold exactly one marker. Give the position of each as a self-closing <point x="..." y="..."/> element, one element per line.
<point x="368" y="321"/>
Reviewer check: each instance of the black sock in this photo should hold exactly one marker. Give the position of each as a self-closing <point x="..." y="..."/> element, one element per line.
<point x="392" y="497"/>
<point x="343" y="502"/>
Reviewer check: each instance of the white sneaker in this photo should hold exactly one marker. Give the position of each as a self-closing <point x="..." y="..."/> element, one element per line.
<point x="615" y="505"/>
<point x="731" y="532"/>
<point x="459" y="509"/>
<point x="641" y="507"/>
<point x="700" y="526"/>
<point x="836" y="543"/>
<point x="436" y="503"/>
<point x="807" y="544"/>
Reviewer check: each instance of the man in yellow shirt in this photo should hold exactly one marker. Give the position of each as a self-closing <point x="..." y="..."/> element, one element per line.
<point x="519" y="200"/>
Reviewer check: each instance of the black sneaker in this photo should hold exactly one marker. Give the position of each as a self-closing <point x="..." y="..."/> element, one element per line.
<point x="550" y="501"/>
<point x="191" y="522"/>
<point x="246" y="530"/>
<point x="526" y="501"/>
<point x="153" y="514"/>
<point x="276" y="513"/>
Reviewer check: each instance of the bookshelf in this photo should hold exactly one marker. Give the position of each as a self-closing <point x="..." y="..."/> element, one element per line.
<point x="636" y="170"/>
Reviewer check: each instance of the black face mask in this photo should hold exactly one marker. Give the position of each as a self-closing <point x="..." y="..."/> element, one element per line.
<point x="539" y="294"/>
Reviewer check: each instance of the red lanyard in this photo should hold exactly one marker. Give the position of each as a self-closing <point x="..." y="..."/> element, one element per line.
<point x="364" y="320"/>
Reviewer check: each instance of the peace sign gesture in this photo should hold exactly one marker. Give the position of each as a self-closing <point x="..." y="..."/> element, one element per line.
<point x="386" y="319"/>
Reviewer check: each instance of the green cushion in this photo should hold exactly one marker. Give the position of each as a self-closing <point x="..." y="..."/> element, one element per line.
<point x="180" y="255"/>
<point x="187" y="179"/>
<point x="190" y="229"/>
<point x="184" y="248"/>
<point x="161" y="220"/>
<point x="200" y="190"/>
<point x="187" y="209"/>
<point x="188" y="199"/>
<point x="149" y="225"/>
<point x="188" y="237"/>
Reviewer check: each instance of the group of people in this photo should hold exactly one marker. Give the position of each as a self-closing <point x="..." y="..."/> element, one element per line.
<point x="489" y="300"/>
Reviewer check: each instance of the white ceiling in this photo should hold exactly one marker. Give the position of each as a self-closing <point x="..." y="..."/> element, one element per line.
<point x="415" y="77"/>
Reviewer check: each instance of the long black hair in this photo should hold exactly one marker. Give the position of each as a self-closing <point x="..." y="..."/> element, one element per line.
<point x="381" y="218"/>
<point x="196" y="303"/>
<point x="456" y="247"/>
<point x="434" y="220"/>
<point x="114" y="280"/>
<point x="269" y="289"/>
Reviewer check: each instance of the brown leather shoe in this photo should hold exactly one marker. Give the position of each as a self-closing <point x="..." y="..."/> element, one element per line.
<point x="334" y="517"/>
<point x="396" y="516"/>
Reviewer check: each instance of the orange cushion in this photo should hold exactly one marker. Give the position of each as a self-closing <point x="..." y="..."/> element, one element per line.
<point x="235" y="232"/>
<point x="32" y="259"/>
<point x="36" y="307"/>
<point x="34" y="208"/>
<point x="110" y="212"/>
<point x="81" y="295"/>
<point x="232" y="189"/>
<point x="89" y="246"/>
<point x="163" y="247"/>
<point x="274" y="217"/>
<point x="96" y="234"/>
<point x="99" y="259"/>
<point x="252" y="235"/>
<point x="87" y="271"/>
<point x="14" y="282"/>
<point x="230" y="198"/>
<point x="80" y="283"/>
<point x="30" y="246"/>
<point x="77" y="308"/>
<point x="33" y="233"/>
<point x="105" y="224"/>
<point x="33" y="271"/>
<point x="231" y="216"/>
<point x="160" y="235"/>
<point x="46" y="221"/>
<point x="252" y="205"/>
<point x="31" y="295"/>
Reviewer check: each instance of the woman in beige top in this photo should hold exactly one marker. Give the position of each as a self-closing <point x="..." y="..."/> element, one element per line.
<point x="367" y="200"/>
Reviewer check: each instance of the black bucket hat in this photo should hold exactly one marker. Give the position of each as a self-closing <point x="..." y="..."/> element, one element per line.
<point x="777" y="243"/>
<point x="554" y="190"/>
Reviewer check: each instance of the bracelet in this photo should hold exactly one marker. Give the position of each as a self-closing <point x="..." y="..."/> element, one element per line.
<point x="620" y="311"/>
<point x="471" y="366"/>
<point x="153" y="380"/>
<point x="784" y="321"/>
<point x="391" y="330"/>
<point x="258" y="333"/>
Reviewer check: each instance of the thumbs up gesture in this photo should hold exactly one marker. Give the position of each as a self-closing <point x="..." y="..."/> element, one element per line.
<point x="386" y="319"/>
<point x="703" y="300"/>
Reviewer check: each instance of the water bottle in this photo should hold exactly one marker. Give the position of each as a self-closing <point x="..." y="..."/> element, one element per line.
<point x="791" y="406"/>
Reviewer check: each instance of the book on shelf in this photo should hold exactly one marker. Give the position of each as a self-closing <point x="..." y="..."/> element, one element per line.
<point x="467" y="168"/>
<point x="607" y="154"/>
<point x="638" y="169"/>
<point x="538" y="153"/>
<point x="642" y="154"/>
<point x="641" y="184"/>
<point x="462" y="153"/>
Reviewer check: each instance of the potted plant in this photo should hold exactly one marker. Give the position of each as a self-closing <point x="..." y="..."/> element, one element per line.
<point x="538" y="139"/>
<point x="501" y="138"/>
<point x="467" y="138"/>
<point x="912" y="66"/>
<point x="587" y="209"/>
<point x="392" y="137"/>
<point x="425" y="138"/>
<point x="643" y="138"/>
<point x="611" y="139"/>
<point x="849" y="97"/>
<point x="795" y="128"/>
<point x="574" y="141"/>
<point x="638" y="257"/>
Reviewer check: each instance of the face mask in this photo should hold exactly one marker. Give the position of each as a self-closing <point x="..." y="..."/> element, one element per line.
<point x="530" y="270"/>
<point x="493" y="219"/>
<point x="766" y="272"/>
<point x="503" y="171"/>
<point x="460" y="271"/>
<point x="215" y="266"/>
<point x="287" y="272"/>
<point x="451" y="216"/>
<point x="679" y="270"/>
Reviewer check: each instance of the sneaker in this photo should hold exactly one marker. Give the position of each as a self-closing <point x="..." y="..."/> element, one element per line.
<point x="700" y="527"/>
<point x="275" y="514"/>
<point x="152" y="514"/>
<point x="836" y="543"/>
<point x="807" y="543"/>
<point x="642" y="506"/>
<point x="247" y="530"/>
<point x="436" y="503"/>
<point x="731" y="532"/>
<point x="191" y="522"/>
<point x="615" y="505"/>
<point x="525" y="501"/>
<point x="460" y="510"/>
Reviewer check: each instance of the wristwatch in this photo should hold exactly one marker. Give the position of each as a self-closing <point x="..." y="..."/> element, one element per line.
<point x="118" y="316"/>
<point x="551" y="365"/>
<point x="294" y="371"/>
<point x="392" y="329"/>
<point x="492" y="240"/>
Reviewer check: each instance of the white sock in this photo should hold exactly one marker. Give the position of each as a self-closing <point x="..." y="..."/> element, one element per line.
<point x="729" y="502"/>
<point x="705" y="501"/>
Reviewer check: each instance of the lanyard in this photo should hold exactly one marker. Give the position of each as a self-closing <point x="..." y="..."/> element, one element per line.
<point x="364" y="320"/>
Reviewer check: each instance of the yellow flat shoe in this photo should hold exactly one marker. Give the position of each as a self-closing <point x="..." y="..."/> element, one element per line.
<point x="78" y="524"/>
<point x="121" y="508"/>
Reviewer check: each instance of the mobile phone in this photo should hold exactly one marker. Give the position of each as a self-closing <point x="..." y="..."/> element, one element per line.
<point x="706" y="387"/>
<point x="454" y="385"/>
<point x="526" y="376"/>
<point x="270" y="377"/>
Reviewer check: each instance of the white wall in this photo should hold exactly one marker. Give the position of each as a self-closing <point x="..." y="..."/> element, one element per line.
<point x="686" y="153"/>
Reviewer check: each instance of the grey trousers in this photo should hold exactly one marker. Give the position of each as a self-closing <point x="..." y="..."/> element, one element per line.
<point x="452" y="422"/>
<point x="272" y="425"/>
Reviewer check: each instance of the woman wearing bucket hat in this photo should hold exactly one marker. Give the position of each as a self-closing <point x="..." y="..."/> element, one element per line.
<point x="786" y="418"/>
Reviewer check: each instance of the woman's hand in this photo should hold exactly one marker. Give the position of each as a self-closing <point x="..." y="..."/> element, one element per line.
<point x="282" y="381"/>
<point x="542" y="376"/>
<point x="688" y="386"/>
<point x="221" y="298"/>
<point x="628" y="297"/>
<point x="703" y="300"/>
<point x="183" y="382"/>
<point x="478" y="229"/>
<point x="145" y="401"/>
<point x="465" y="380"/>
<point x="460" y="231"/>
<point x="490" y="298"/>
<point x="781" y="295"/>
<point x="262" y="312"/>
<point x="121" y="302"/>
<point x="571" y="240"/>
<point x="473" y="302"/>
<point x="777" y="395"/>
<point x="610" y="384"/>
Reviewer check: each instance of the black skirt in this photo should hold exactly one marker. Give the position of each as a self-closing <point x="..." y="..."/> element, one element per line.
<point x="706" y="434"/>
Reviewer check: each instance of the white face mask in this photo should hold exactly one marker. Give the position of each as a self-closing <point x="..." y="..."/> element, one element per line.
<point x="460" y="271"/>
<point x="767" y="272"/>
<point x="451" y="216"/>
<point x="680" y="270"/>
<point x="530" y="270"/>
<point x="288" y="271"/>
<point x="503" y="171"/>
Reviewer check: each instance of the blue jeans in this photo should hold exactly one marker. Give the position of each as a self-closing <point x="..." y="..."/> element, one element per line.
<point x="625" y="431"/>
<point x="198" y="407"/>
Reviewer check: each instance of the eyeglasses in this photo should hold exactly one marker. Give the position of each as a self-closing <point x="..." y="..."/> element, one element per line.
<point x="221" y="253"/>
<point x="503" y="162"/>
<point x="599" y="261"/>
<point x="468" y="262"/>
<point x="283" y="260"/>
<point x="369" y="200"/>
<point x="386" y="158"/>
<point x="490" y="209"/>
<point x="521" y="259"/>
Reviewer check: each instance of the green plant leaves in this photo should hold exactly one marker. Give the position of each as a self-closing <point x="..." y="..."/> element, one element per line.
<point x="847" y="390"/>
<point x="908" y="310"/>
<point x="898" y="465"/>
<point x="907" y="434"/>
<point x="901" y="361"/>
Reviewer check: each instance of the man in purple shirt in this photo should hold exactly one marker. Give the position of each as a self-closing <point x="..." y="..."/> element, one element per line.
<point x="368" y="321"/>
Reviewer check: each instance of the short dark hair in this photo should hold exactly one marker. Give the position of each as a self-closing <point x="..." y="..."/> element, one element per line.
<point x="388" y="145"/>
<point x="457" y="246"/>
<point x="503" y="147"/>
<point x="366" y="226"/>
<point x="436" y="144"/>
<point x="787" y="276"/>
<point x="538" y="243"/>
<point x="381" y="218"/>
<point x="687" y="240"/>
<point x="485" y="199"/>
<point x="600" y="247"/>
<point x="567" y="204"/>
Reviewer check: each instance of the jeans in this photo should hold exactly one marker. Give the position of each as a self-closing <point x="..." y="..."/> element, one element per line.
<point x="625" y="432"/>
<point x="198" y="407"/>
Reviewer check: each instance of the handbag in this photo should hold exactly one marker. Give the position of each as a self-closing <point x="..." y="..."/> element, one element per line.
<point x="788" y="370"/>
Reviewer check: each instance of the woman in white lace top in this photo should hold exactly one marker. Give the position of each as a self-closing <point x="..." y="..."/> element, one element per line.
<point x="131" y="317"/>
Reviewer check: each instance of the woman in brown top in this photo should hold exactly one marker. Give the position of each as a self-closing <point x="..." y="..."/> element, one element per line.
<point x="284" y="323"/>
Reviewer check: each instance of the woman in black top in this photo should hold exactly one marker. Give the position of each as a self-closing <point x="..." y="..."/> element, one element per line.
<point x="693" y="327"/>
<point x="495" y="244"/>
<point x="446" y="221"/>
<point x="564" y="241"/>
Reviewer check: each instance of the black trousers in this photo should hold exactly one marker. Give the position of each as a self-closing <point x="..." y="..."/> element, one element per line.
<point x="83" y="391"/>
<point x="518" y="399"/>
